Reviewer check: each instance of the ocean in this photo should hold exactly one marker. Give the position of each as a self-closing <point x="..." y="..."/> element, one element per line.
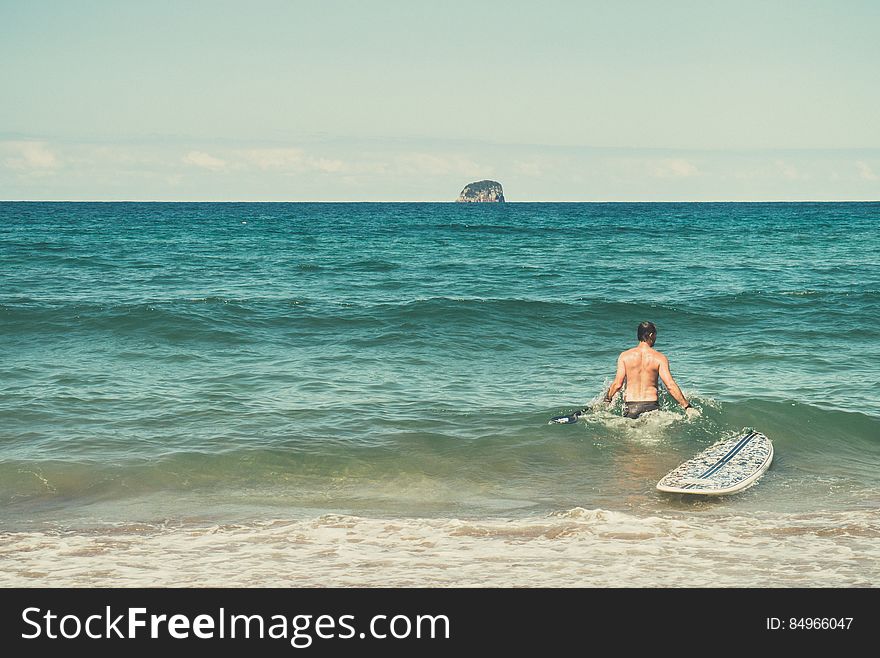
<point x="335" y="394"/>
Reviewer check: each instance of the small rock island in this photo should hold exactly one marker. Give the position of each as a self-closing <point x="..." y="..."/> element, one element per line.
<point x="484" y="191"/>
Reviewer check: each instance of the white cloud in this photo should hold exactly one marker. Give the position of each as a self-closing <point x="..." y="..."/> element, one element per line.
<point x="327" y="165"/>
<point x="275" y="158"/>
<point x="788" y="171"/>
<point x="865" y="172"/>
<point x="291" y="159"/>
<point x="205" y="161"/>
<point x="529" y="168"/>
<point x="29" y="156"/>
<point x="535" y="166"/>
<point x="121" y="157"/>
<point x="441" y="165"/>
<point x="372" y="166"/>
<point x="675" y="168"/>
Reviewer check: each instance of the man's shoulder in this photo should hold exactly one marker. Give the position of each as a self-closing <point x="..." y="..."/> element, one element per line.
<point x="633" y="354"/>
<point x="660" y="356"/>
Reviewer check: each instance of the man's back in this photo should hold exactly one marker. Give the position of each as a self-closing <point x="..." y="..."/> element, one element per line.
<point x="642" y="368"/>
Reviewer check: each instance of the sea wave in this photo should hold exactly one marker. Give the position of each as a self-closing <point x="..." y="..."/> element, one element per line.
<point x="572" y="548"/>
<point x="223" y="317"/>
<point x="418" y="458"/>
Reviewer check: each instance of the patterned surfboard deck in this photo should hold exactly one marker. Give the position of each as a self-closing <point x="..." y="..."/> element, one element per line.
<point x="726" y="467"/>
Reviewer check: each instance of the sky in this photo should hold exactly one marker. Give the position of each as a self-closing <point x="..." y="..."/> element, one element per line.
<point x="332" y="100"/>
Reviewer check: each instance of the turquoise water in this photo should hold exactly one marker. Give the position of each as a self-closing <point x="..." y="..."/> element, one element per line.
<point x="183" y="365"/>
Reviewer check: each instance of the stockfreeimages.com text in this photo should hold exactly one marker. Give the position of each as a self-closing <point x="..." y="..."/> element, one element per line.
<point x="301" y="630"/>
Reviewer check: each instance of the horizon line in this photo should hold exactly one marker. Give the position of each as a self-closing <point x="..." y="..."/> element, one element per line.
<point x="440" y="201"/>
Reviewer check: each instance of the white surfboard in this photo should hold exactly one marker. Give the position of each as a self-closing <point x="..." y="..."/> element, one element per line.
<point x="726" y="467"/>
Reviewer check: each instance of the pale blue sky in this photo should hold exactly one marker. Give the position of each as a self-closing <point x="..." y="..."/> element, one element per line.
<point x="393" y="100"/>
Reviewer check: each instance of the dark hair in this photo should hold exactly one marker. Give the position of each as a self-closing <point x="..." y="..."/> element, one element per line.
<point x="646" y="329"/>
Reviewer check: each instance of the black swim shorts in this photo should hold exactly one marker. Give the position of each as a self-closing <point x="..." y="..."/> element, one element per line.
<point x="636" y="409"/>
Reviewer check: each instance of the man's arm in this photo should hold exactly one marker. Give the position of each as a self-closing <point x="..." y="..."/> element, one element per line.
<point x="671" y="386"/>
<point x="619" y="378"/>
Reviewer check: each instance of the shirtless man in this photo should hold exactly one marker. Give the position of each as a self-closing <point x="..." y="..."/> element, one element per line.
<point x="640" y="367"/>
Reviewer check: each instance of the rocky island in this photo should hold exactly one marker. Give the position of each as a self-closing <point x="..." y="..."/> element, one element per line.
<point x="484" y="191"/>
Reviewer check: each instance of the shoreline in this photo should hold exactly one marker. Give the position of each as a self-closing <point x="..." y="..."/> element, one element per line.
<point x="445" y="202"/>
<point x="573" y="548"/>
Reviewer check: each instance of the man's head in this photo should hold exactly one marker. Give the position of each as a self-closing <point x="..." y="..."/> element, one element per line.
<point x="647" y="333"/>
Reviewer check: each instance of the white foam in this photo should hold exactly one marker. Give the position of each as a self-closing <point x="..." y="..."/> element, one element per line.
<point x="575" y="547"/>
<point x="650" y="427"/>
